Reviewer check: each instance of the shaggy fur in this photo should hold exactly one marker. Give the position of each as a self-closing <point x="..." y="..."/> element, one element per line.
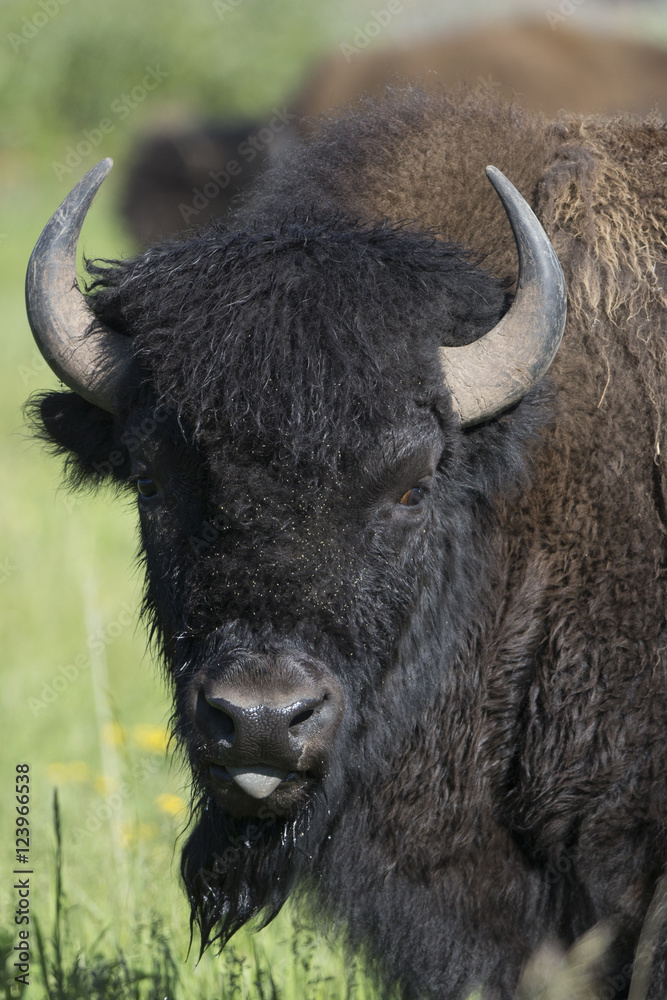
<point x="499" y="774"/>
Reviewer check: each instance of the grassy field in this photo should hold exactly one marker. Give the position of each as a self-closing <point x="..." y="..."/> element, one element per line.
<point x="82" y="703"/>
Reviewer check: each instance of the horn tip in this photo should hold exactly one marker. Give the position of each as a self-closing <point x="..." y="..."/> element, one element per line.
<point x="92" y="181"/>
<point x="498" y="180"/>
<point x="103" y="168"/>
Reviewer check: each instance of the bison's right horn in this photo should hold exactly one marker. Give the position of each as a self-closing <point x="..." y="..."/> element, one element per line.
<point x="97" y="364"/>
<point x="496" y="371"/>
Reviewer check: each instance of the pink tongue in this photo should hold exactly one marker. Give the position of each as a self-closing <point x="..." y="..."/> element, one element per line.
<point x="257" y="781"/>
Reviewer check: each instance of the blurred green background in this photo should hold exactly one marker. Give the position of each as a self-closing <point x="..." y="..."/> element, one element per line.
<point x="82" y="701"/>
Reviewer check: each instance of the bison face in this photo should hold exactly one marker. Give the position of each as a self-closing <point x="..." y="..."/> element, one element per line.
<point x="281" y="593"/>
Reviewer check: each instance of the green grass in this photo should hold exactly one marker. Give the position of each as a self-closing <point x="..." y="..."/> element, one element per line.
<point x="79" y="952"/>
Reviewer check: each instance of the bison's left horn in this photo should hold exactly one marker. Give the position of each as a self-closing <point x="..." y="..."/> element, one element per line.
<point x="489" y="375"/>
<point x="96" y="364"/>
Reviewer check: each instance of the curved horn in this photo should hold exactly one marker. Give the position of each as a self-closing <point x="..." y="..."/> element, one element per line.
<point x="489" y="375"/>
<point x="94" y="366"/>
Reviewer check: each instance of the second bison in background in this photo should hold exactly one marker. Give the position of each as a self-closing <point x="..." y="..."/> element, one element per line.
<point x="181" y="176"/>
<point x="410" y="592"/>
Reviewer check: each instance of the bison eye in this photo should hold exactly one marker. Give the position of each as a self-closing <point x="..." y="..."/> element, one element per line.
<point x="147" y="487"/>
<point x="413" y="497"/>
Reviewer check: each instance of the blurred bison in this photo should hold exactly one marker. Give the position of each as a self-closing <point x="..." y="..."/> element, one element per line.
<point x="409" y="591"/>
<point x="550" y="69"/>
<point x="181" y="177"/>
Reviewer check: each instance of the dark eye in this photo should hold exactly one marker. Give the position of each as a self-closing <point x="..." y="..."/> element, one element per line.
<point x="147" y="487"/>
<point x="413" y="497"/>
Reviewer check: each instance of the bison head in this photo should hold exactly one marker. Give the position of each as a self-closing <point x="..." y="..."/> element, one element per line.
<point x="313" y="418"/>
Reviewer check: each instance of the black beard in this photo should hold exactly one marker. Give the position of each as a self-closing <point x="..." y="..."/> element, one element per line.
<point x="237" y="869"/>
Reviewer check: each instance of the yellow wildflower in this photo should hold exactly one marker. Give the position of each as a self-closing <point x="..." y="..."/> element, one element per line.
<point x="72" y="772"/>
<point x="151" y="738"/>
<point x="173" y="805"/>
<point x="134" y="833"/>
<point x="105" y="784"/>
<point x="113" y="734"/>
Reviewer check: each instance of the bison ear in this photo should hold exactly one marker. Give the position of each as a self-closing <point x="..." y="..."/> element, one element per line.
<point x="83" y="433"/>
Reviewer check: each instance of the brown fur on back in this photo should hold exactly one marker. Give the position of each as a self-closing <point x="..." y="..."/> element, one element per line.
<point x="597" y="185"/>
<point x="586" y="543"/>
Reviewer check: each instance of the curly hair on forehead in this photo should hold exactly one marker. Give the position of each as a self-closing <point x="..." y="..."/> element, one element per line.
<point x="296" y="335"/>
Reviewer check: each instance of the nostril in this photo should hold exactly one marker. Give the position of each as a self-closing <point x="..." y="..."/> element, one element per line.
<point x="301" y="717"/>
<point x="214" y="719"/>
<point x="307" y="709"/>
<point x="226" y="727"/>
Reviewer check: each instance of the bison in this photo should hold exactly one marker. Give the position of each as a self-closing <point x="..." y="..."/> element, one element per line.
<point x="407" y="575"/>
<point x="183" y="176"/>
